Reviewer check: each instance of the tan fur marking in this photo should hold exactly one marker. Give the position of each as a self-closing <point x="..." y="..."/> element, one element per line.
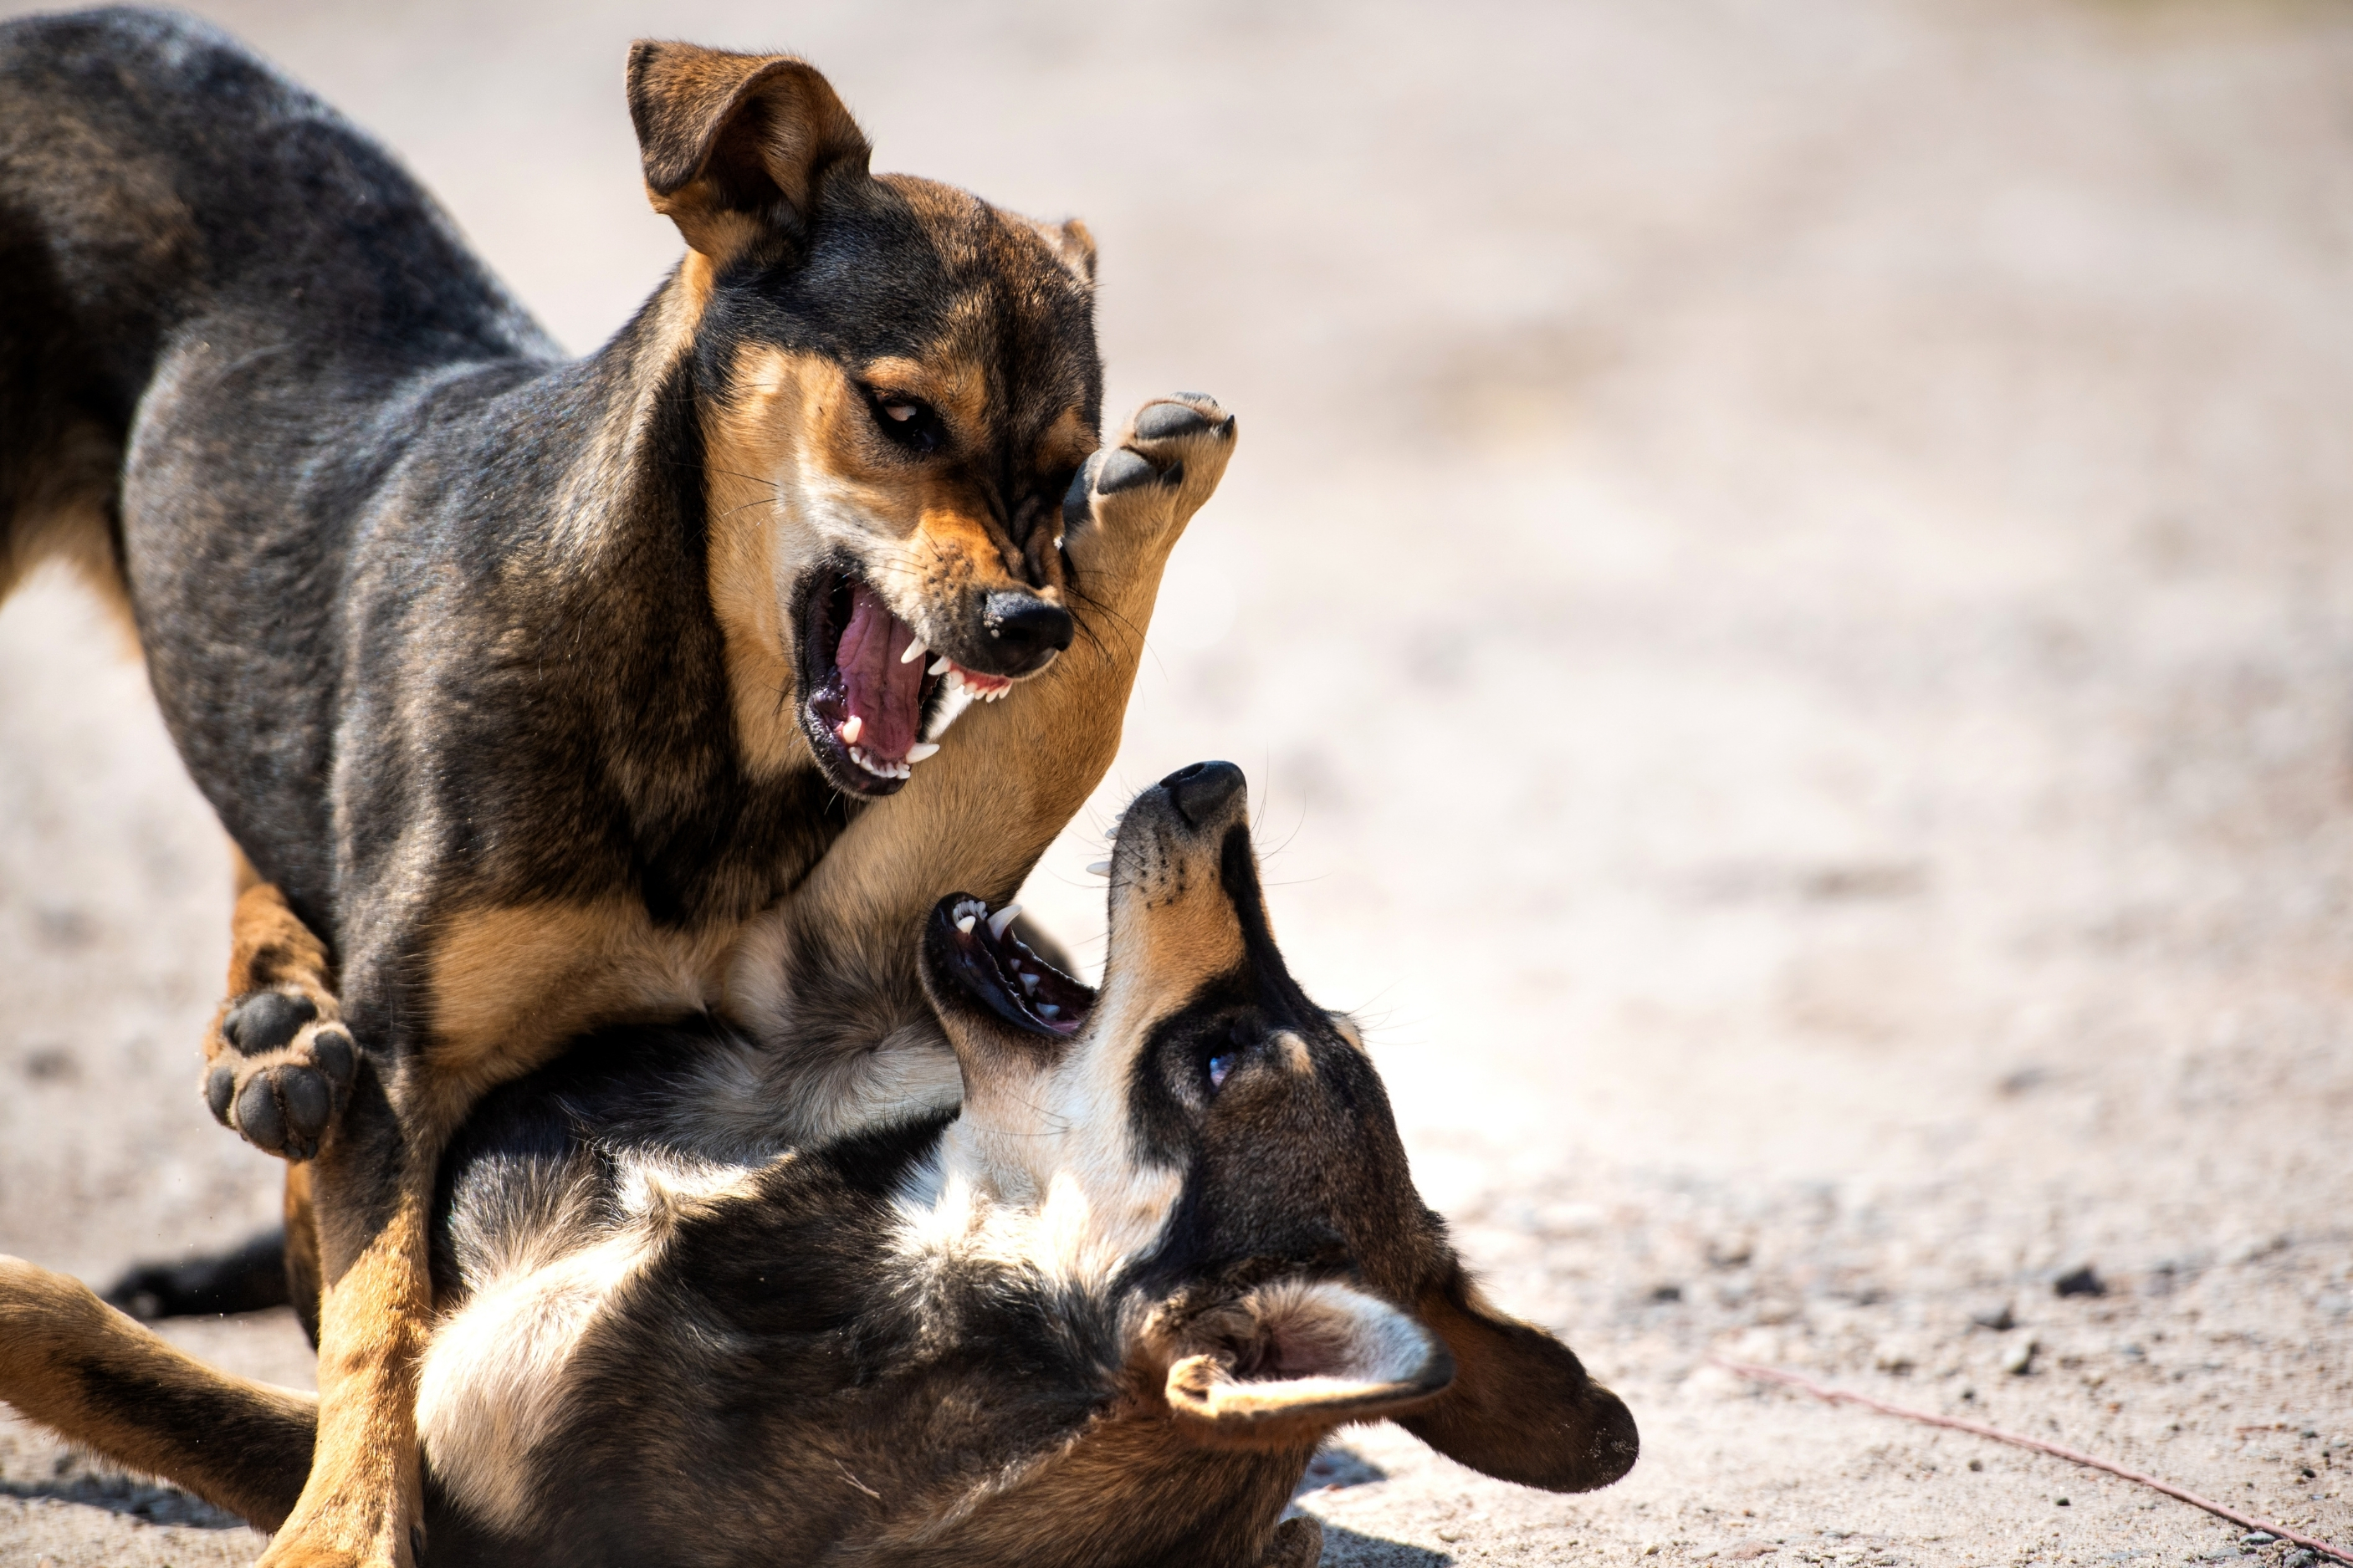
<point x="65" y="517"/>
<point x="509" y="985"/>
<point x="1294" y="1054"/>
<point x="750" y="445"/>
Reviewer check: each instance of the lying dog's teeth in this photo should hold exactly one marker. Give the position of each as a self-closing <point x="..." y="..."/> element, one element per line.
<point x="1047" y="1010"/>
<point x="1029" y="980"/>
<point x="965" y="924"/>
<point x="1099" y="869"/>
<point x="921" y="750"/>
<point x="1000" y="920"/>
<point x="851" y="728"/>
<point x="915" y="650"/>
<point x="940" y="665"/>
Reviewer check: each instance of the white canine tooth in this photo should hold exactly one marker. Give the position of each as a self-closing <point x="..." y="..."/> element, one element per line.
<point x="915" y="650"/>
<point x="964" y="925"/>
<point x="921" y="750"/>
<point x="1029" y="980"/>
<point x="1047" y="1010"/>
<point x="851" y="728"/>
<point x="1001" y="918"/>
<point x="939" y="666"/>
<point x="1100" y="869"/>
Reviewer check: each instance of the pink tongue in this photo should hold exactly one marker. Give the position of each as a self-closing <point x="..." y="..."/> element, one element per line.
<point x="882" y="693"/>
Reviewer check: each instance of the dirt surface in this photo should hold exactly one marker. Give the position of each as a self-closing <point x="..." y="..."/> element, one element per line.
<point x="1787" y="601"/>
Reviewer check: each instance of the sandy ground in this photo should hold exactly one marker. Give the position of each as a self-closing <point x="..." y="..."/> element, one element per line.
<point x="1787" y="599"/>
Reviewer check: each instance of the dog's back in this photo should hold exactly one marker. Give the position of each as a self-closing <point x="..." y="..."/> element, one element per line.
<point x="208" y="272"/>
<point x="155" y="176"/>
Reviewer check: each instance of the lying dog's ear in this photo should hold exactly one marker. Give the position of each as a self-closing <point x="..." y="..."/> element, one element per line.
<point x="1290" y="1361"/>
<point x="734" y="144"/>
<point x="1521" y="1407"/>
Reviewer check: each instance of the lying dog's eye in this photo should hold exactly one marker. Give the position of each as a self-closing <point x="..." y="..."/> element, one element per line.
<point x="1219" y="1067"/>
<point x="907" y="421"/>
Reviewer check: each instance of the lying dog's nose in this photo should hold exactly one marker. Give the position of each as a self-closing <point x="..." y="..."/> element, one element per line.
<point x="1025" y="628"/>
<point x="1202" y="792"/>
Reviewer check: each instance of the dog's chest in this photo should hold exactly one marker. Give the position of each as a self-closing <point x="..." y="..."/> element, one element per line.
<point x="511" y="984"/>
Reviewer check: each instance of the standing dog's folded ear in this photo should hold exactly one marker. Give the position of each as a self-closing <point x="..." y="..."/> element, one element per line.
<point x="734" y="145"/>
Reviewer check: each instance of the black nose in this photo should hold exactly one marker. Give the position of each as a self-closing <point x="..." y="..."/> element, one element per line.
<point x="1202" y="792"/>
<point x="1024" y="627"/>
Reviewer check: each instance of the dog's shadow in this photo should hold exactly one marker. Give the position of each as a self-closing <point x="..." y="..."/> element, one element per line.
<point x="1346" y="1549"/>
<point x="135" y="1496"/>
<point x="1334" y="1469"/>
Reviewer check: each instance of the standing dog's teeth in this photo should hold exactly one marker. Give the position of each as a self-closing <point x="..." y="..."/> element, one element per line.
<point x="1029" y="980"/>
<point x="851" y="728"/>
<point x="915" y="650"/>
<point x="964" y="925"/>
<point x="939" y="666"/>
<point x="1001" y="918"/>
<point x="1047" y="1010"/>
<point x="921" y="750"/>
<point x="1099" y="869"/>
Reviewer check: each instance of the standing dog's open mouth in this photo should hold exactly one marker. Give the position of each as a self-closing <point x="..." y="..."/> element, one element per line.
<point x="875" y="701"/>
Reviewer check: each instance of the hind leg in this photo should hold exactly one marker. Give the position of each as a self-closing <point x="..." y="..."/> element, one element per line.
<point x="277" y="1061"/>
<point x="75" y="1364"/>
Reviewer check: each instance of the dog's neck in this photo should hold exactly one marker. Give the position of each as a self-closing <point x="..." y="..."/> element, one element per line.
<point x="1061" y="1193"/>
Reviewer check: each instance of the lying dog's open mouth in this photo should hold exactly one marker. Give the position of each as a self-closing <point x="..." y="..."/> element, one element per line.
<point x="874" y="700"/>
<point x="996" y="969"/>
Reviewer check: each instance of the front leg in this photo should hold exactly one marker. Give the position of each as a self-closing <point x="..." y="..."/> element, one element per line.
<point x="277" y="1061"/>
<point x="371" y="1193"/>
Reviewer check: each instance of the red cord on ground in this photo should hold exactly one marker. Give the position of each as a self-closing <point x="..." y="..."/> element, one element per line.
<point x="2073" y="1456"/>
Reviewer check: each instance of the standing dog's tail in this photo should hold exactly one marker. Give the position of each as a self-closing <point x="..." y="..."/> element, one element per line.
<point x="70" y="1362"/>
<point x="98" y="255"/>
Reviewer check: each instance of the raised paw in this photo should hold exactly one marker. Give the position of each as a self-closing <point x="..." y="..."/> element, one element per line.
<point x="277" y="1069"/>
<point x="1140" y="491"/>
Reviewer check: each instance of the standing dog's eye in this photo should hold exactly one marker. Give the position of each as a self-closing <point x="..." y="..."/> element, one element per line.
<point x="907" y="421"/>
<point x="1219" y="1067"/>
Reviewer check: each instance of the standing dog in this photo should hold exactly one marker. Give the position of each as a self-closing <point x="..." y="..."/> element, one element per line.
<point x="530" y="685"/>
<point x="1102" y="1316"/>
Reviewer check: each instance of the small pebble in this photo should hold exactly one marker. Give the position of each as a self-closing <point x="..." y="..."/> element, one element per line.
<point x="2257" y="1537"/>
<point x="2082" y="1282"/>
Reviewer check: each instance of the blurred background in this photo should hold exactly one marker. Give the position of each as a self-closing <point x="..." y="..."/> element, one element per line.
<point x="1786" y="598"/>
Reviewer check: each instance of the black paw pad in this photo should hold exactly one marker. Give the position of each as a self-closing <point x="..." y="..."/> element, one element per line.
<point x="1163" y="421"/>
<point x="257" y="1116"/>
<point x="332" y="1052"/>
<point x="1123" y="470"/>
<point x="266" y="1021"/>
<point x="220" y="1089"/>
<point x="284" y="1110"/>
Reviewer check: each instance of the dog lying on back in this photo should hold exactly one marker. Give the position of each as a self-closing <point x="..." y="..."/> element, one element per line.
<point x="531" y="685"/>
<point x="1102" y="1315"/>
